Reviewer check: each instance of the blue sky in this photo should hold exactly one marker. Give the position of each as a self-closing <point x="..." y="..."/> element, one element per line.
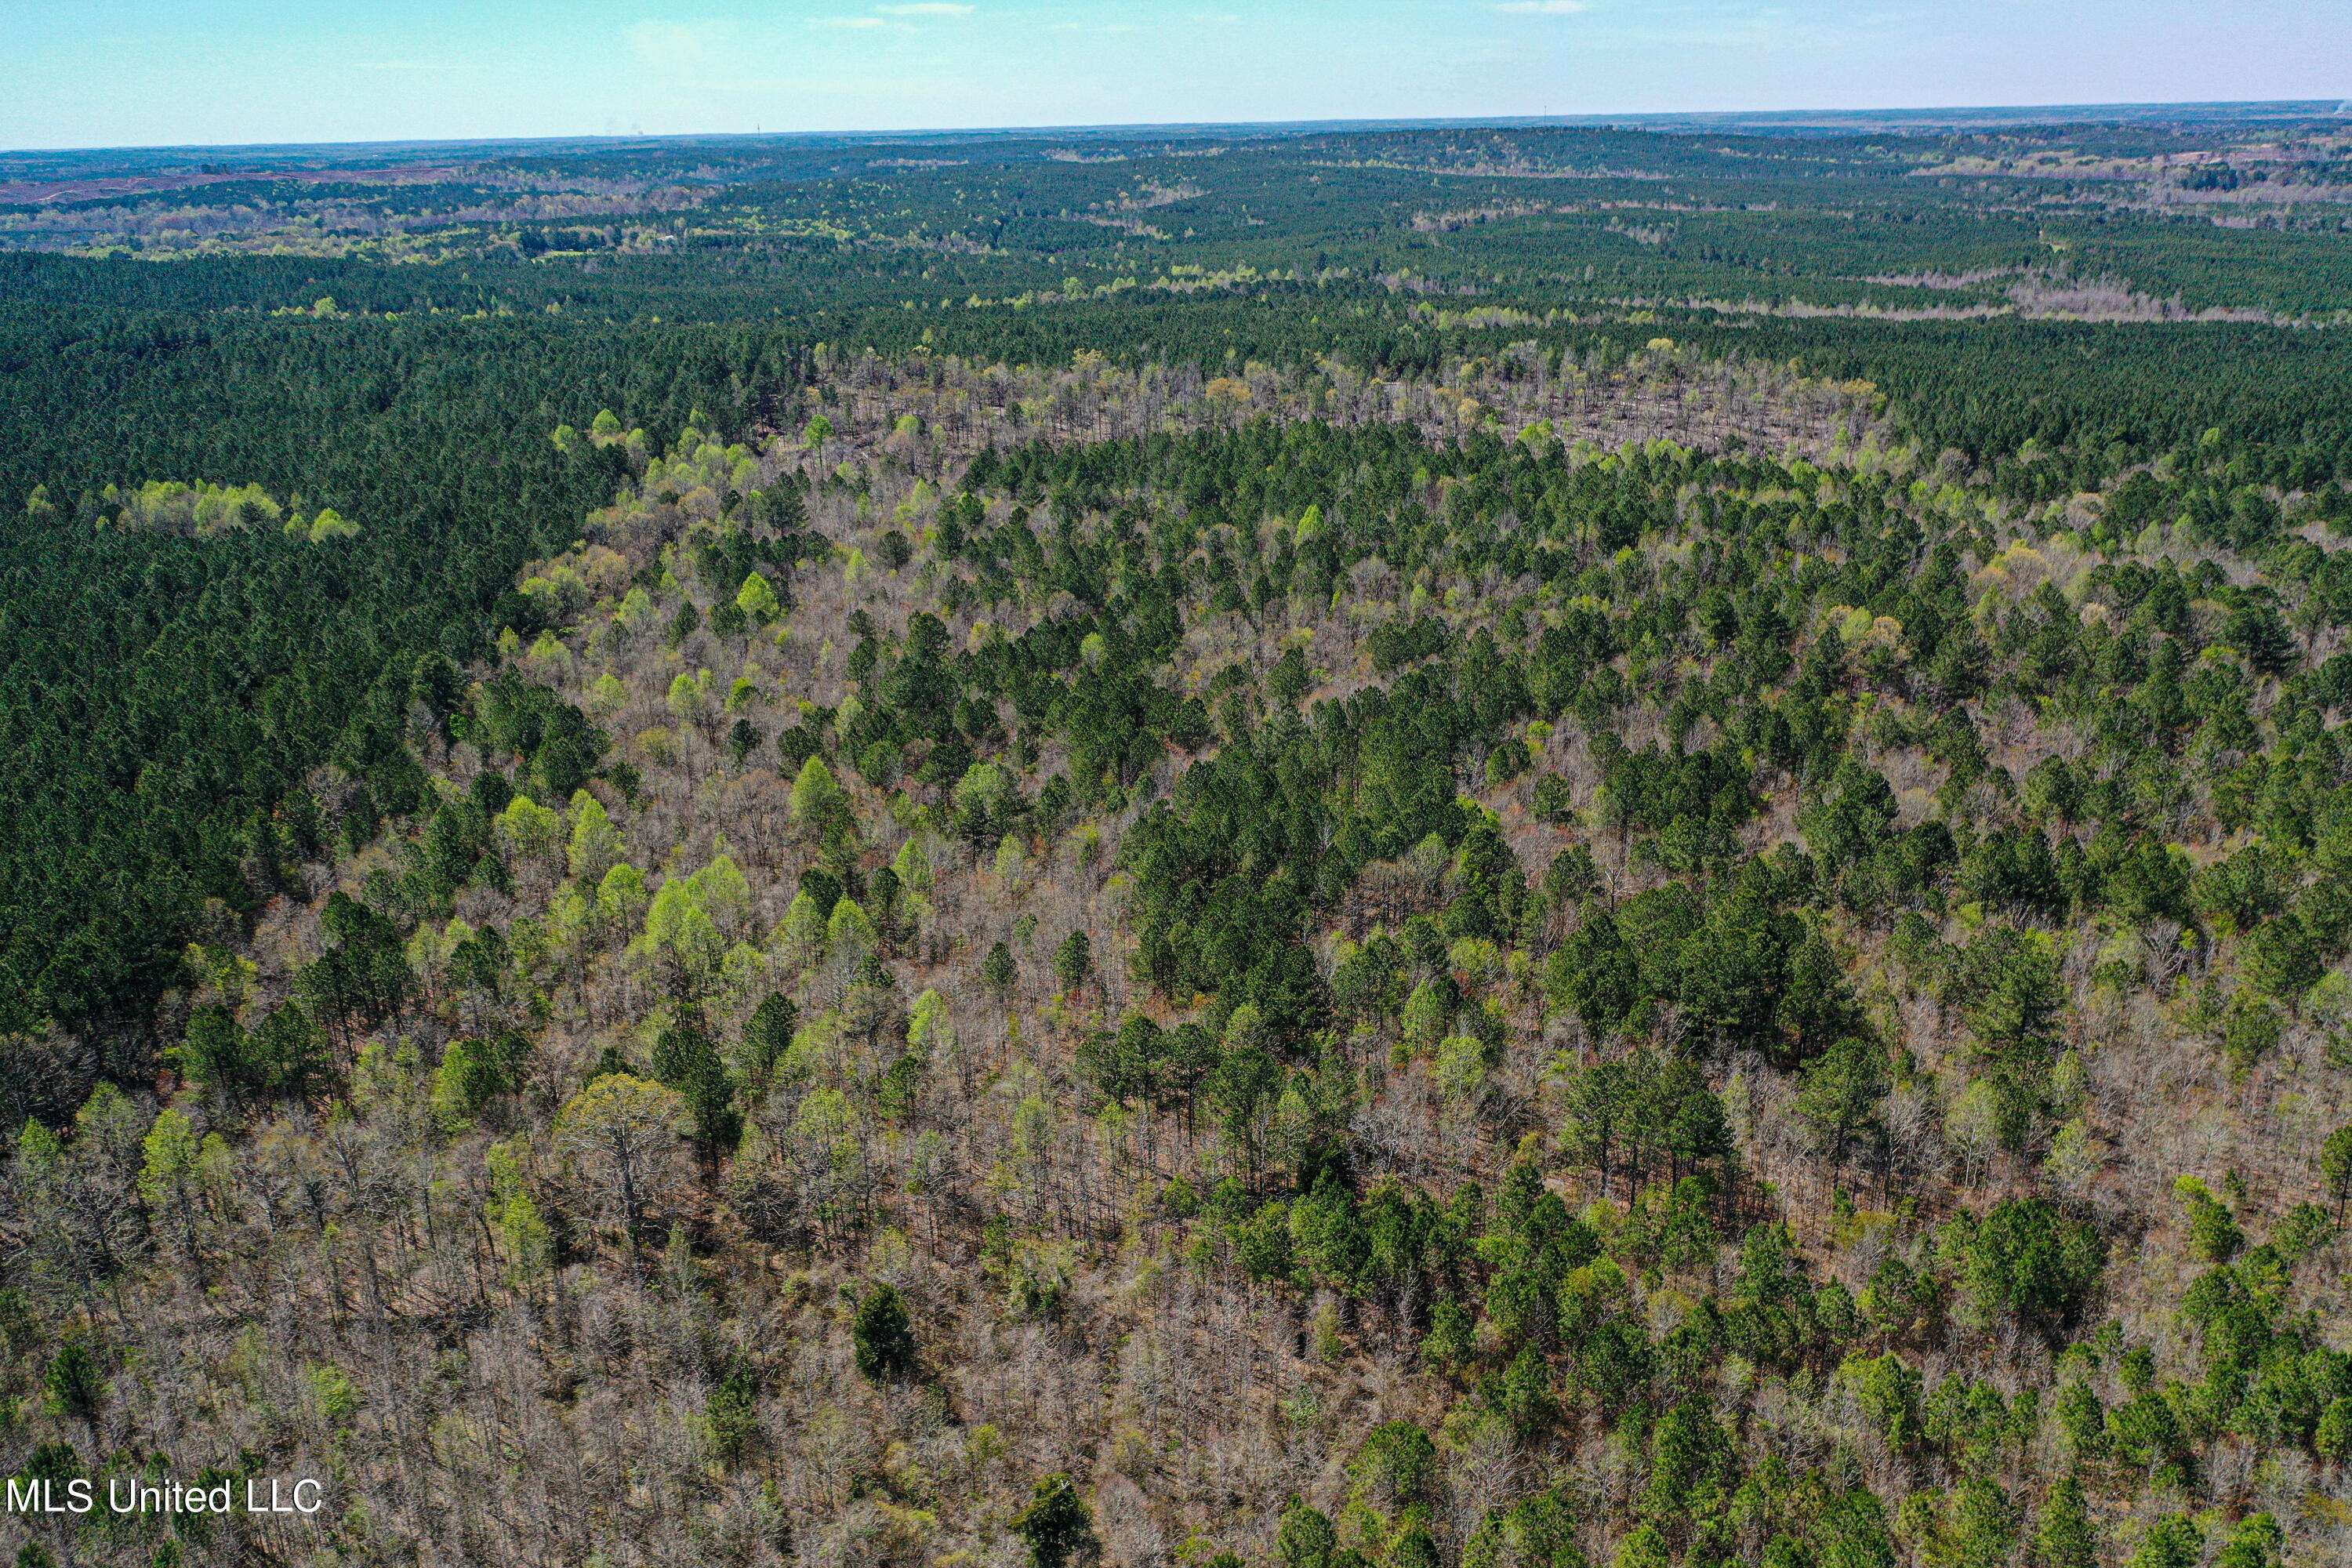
<point x="131" y="72"/>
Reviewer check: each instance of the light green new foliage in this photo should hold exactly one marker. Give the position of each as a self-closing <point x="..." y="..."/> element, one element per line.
<point x="529" y="830"/>
<point x="1461" y="1066"/>
<point x="849" y="933"/>
<point x="2072" y="1161"/>
<point x="636" y="610"/>
<point x="824" y="1121"/>
<point x="331" y="524"/>
<point x="677" y="924"/>
<point x="596" y="844"/>
<point x="524" y="1240"/>
<point x="620" y="895"/>
<point x="980" y="793"/>
<point x="451" y="1085"/>
<point x="172" y="1152"/>
<point x="338" y="1397"/>
<point x="913" y="867"/>
<point x="820" y="1049"/>
<point x="429" y="949"/>
<point x="723" y="891"/>
<point x="930" y="1030"/>
<point x="1475" y="957"/>
<point x="1426" y="1014"/>
<point x="689" y="695"/>
<point x="1972" y="1123"/>
<point x="802" y="936"/>
<point x="525" y="1243"/>
<point x="818" y="799"/>
<point x="571" y="914"/>
<point x="607" y="696"/>
<point x="622" y="1135"/>
<point x="756" y="599"/>
<point x="39" y="1153"/>
<point x="1245" y="1029"/>
<point x="742" y="972"/>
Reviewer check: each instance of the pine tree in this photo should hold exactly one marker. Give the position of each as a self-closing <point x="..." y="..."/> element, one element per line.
<point x="767" y="1035"/>
<point x="883" y="1335"/>
<point x="1073" y="960"/>
<point x="2336" y="1168"/>
<point x="1057" y="1524"/>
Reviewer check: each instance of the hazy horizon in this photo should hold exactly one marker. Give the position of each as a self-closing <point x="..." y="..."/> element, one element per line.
<point x="1926" y="116"/>
<point x="152" y="73"/>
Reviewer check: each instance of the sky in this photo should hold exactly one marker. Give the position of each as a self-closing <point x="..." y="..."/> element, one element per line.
<point x="113" y="73"/>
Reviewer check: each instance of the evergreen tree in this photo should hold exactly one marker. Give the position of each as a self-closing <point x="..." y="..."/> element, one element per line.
<point x="884" y="1335"/>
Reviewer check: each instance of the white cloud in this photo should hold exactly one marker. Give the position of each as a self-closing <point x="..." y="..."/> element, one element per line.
<point x="672" y="49"/>
<point x="1541" y="8"/>
<point x="912" y="11"/>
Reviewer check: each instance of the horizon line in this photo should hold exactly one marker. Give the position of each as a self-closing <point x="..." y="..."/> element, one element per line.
<point x="2031" y="114"/>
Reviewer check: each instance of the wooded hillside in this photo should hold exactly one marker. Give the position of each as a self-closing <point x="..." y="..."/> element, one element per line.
<point x="1177" y="932"/>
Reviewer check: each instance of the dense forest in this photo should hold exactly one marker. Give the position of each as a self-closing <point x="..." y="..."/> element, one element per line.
<point x="1387" y="847"/>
